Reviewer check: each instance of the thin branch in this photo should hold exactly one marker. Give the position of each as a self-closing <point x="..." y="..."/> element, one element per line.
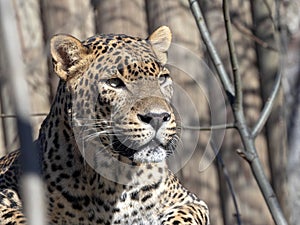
<point x="208" y="128"/>
<point x="228" y="181"/>
<point x="270" y="13"/>
<point x="211" y="48"/>
<point x="3" y="115"/>
<point x="267" y="108"/>
<point x="233" y="59"/>
<point x="246" y="31"/>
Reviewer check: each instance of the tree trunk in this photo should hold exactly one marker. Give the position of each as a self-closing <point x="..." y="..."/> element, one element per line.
<point x="8" y="133"/>
<point x="74" y="17"/>
<point x="127" y="17"/>
<point x="292" y="97"/>
<point x="268" y="65"/>
<point x="31" y="37"/>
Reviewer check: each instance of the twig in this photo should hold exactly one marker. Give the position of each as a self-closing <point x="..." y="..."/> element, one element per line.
<point x="267" y="108"/>
<point x="15" y="116"/>
<point x="228" y="181"/>
<point x="237" y="104"/>
<point x="270" y="13"/>
<point x="244" y="30"/>
<point x="211" y="48"/>
<point x="208" y="128"/>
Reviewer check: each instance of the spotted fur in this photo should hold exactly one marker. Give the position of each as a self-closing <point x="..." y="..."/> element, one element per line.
<point x="105" y="140"/>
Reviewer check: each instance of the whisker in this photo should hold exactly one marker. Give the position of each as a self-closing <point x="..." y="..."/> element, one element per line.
<point x="174" y="143"/>
<point x="108" y="132"/>
<point x="93" y="125"/>
<point x="95" y="130"/>
<point x="92" y="136"/>
<point x="91" y="122"/>
<point x="91" y="119"/>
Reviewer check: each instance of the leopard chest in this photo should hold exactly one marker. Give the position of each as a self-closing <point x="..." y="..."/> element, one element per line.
<point x="139" y="209"/>
<point x="137" y="205"/>
<point x="108" y="205"/>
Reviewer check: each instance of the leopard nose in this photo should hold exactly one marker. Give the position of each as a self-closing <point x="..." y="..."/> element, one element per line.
<point x="156" y="120"/>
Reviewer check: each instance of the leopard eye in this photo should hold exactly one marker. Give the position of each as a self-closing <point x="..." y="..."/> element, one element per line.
<point x="163" y="78"/>
<point x="115" y="82"/>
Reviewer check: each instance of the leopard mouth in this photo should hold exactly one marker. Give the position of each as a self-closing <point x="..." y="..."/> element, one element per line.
<point x="153" y="151"/>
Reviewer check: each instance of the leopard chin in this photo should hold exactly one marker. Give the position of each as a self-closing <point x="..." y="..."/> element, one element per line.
<point x="147" y="155"/>
<point x="152" y="152"/>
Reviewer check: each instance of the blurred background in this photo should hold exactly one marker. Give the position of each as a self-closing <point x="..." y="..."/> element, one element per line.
<point x="267" y="38"/>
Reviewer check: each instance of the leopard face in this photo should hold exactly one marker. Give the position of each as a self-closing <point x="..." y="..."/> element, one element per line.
<point x="120" y="93"/>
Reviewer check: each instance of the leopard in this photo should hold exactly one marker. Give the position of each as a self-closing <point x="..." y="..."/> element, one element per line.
<point x="104" y="144"/>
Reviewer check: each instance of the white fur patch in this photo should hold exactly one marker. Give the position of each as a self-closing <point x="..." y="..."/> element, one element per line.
<point x="149" y="154"/>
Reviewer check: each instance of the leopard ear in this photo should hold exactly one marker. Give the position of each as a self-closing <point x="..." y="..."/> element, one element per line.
<point x="68" y="55"/>
<point x="160" y="40"/>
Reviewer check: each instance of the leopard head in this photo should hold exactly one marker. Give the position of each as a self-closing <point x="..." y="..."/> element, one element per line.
<point x="120" y="93"/>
